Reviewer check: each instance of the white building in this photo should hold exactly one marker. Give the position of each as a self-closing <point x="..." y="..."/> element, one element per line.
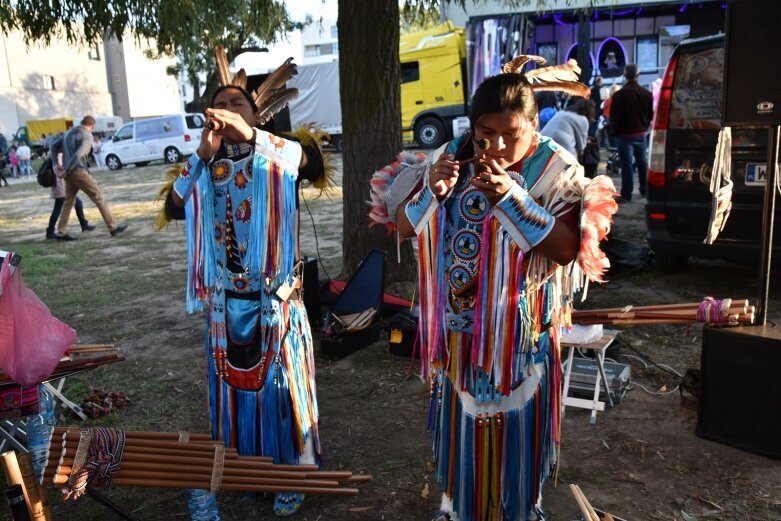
<point x="320" y="42"/>
<point x="63" y="80"/>
<point x="140" y="86"/>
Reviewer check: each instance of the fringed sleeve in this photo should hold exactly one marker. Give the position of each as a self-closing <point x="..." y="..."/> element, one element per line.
<point x="525" y="221"/>
<point x="271" y="249"/>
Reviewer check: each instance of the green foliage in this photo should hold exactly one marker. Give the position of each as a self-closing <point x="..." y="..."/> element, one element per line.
<point x="189" y="29"/>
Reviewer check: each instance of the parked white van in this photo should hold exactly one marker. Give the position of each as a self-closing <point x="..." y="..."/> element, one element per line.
<point x="165" y="137"/>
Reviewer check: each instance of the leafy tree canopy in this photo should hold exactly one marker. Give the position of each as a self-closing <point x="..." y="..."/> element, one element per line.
<point x="188" y="29"/>
<point x="173" y="24"/>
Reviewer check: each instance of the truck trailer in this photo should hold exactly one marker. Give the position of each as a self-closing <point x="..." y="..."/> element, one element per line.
<point x="433" y="88"/>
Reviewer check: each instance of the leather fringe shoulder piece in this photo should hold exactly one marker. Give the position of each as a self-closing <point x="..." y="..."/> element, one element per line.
<point x="562" y="77"/>
<point x="163" y="218"/>
<point x="380" y="187"/>
<point x="311" y="135"/>
<point x="596" y="218"/>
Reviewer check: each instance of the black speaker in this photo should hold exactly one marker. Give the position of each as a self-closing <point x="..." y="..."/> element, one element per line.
<point x="740" y="395"/>
<point x="752" y="63"/>
<point x="311" y="290"/>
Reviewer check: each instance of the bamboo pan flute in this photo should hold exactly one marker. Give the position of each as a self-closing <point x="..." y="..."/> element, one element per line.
<point x="736" y="312"/>
<point x="81" y="358"/>
<point x="187" y="460"/>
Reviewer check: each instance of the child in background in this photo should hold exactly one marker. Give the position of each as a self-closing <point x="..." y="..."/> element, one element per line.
<point x="14" y="162"/>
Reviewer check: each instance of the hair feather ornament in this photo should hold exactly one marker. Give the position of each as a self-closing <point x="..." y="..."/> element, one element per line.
<point x="562" y="77"/>
<point x="271" y="96"/>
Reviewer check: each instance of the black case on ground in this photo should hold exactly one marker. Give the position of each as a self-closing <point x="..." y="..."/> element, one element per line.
<point x="402" y="332"/>
<point x="364" y="290"/>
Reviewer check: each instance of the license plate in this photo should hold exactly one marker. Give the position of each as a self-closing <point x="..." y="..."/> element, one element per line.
<point x="756" y="174"/>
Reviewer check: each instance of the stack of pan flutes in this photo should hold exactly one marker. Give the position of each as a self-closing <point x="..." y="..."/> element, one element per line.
<point x="187" y="460"/>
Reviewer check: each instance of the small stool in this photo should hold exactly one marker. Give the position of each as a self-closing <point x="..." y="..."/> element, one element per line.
<point x="599" y="347"/>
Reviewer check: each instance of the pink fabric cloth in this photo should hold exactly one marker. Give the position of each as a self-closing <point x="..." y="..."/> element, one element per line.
<point x="32" y="341"/>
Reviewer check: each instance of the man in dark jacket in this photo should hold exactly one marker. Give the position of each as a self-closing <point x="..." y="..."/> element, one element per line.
<point x="631" y="113"/>
<point x="76" y="146"/>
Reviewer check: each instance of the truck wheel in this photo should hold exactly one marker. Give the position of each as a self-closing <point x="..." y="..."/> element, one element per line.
<point x="670" y="261"/>
<point x="430" y="133"/>
<point x="172" y="155"/>
<point x="113" y="162"/>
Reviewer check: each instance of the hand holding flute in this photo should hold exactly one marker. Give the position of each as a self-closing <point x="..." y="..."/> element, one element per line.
<point x="444" y="173"/>
<point x="222" y="125"/>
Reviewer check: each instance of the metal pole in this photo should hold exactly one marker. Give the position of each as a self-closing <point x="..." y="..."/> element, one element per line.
<point x="768" y="218"/>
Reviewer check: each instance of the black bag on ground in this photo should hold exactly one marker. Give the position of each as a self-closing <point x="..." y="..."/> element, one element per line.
<point x="46" y="173"/>
<point x="590" y="157"/>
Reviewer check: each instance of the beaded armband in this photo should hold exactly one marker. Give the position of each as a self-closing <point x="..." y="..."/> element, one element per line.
<point x="525" y="220"/>
<point x="188" y="178"/>
<point x="420" y="208"/>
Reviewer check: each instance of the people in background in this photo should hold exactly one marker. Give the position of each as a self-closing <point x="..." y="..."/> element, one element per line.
<point x="58" y="194"/>
<point x="631" y="113"/>
<point x="23" y="154"/>
<point x="569" y="127"/>
<point x="75" y="147"/>
<point x="13" y="160"/>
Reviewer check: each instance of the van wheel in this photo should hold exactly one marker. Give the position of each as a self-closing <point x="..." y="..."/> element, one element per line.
<point x="670" y="261"/>
<point x="172" y="155"/>
<point x="430" y="133"/>
<point x="113" y="162"/>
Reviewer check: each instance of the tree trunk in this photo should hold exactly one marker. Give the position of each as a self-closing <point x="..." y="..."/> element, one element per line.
<point x="371" y="122"/>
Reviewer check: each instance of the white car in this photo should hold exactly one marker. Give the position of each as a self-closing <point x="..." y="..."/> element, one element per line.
<point x="169" y="138"/>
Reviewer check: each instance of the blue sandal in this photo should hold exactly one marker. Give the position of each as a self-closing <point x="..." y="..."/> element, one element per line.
<point x="287" y="503"/>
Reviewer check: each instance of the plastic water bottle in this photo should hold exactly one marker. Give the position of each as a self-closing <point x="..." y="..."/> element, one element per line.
<point x="202" y="505"/>
<point x="39" y="430"/>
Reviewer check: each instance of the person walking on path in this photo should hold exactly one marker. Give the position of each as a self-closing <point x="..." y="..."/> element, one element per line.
<point x="58" y="194"/>
<point x="75" y="147"/>
<point x="631" y="112"/>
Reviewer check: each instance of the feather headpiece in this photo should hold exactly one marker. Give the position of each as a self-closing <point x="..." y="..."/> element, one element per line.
<point x="271" y="96"/>
<point x="562" y="77"/>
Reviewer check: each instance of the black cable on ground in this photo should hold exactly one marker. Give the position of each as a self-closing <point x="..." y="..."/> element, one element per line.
<point x="644" y="357"/>
<point x="317" y="242"/>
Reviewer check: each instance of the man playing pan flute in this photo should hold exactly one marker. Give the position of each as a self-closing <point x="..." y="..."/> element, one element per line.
<point x="497" y="240"/>
<point x="240" y="197"/>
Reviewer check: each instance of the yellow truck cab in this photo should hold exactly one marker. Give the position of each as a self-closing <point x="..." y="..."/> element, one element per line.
<point x="32" y="133"/>
<point x="433" y="89"/>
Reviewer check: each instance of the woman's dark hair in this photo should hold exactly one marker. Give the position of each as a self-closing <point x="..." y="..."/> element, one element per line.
<point x="235" y="87"/>
<point x="584" y="107"/>
<point x="502" y="92"/>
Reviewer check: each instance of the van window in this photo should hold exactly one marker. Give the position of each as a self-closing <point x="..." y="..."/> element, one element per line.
<point x="410" y="71"/>
<point x="125" y="132"/>
<point x="696" y="97"/>
<point x="195" y="121"/>
<point x="158" y="127"/>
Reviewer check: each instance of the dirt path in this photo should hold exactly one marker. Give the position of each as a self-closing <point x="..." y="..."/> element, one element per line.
<point x="641" y="460"/>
